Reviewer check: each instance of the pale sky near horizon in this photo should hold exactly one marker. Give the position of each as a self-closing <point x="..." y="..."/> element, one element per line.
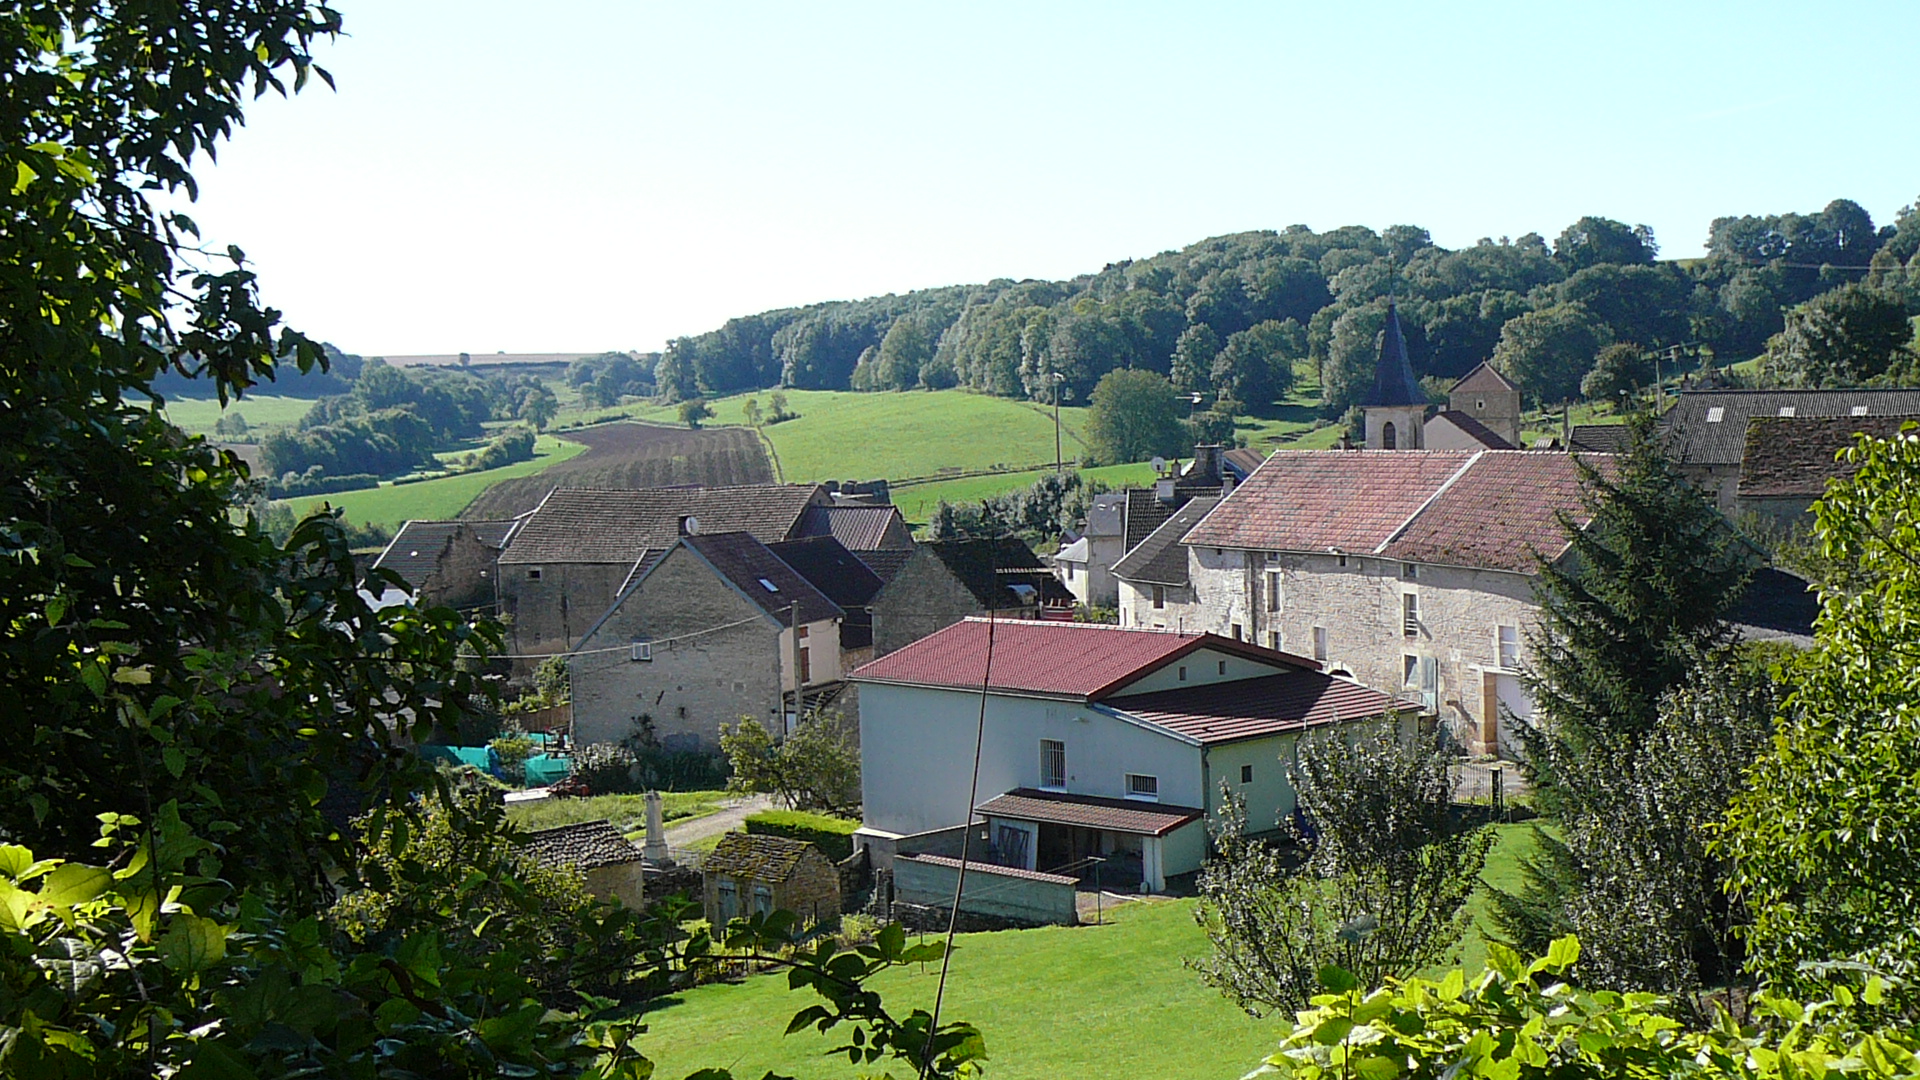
<point x="617" y="173"/>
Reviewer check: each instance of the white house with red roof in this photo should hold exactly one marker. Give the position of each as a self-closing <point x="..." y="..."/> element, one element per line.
<point x="1098" y="745"/>
<point x="1410" y="570"/>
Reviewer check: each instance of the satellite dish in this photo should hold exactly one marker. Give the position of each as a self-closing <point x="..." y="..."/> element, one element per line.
<point x="1159" y="463"/>
<point x="693" y="525"/>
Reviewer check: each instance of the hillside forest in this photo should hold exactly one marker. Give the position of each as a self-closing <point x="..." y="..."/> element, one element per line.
<point x="1232" y="317"/>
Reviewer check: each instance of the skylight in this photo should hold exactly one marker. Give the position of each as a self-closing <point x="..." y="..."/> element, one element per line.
<point x="1714" y="414"/>
<point x="768" y="585"/>
<point x="1786" y="410"/>
<point x="1858" y="410"/>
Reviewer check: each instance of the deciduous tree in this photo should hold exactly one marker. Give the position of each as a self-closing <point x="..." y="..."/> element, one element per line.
<point x="1135" y="415"/>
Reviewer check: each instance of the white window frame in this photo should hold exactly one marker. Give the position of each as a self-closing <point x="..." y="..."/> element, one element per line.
<point x="1275" y="596"/>
<point x="642" y="651"/>
<point x="1143" y="792"/>
<point x="1507" y="660"/>
<point x="1410" y="622"/>
<point x="1053" y="750"/>
<point x="1322" y="644"/>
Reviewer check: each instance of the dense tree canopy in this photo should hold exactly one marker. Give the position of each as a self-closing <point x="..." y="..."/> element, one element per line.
<point x="1135" y="416"/>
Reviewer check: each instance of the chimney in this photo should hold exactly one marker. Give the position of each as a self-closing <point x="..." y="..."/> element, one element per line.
<point x="1206" y="463"/>
<point x="1163" y="489"/>
<point x="1226" y="484"/>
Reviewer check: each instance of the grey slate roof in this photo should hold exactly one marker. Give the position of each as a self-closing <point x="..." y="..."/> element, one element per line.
<point x="1794" y="457"/>
<point x="589" y="525"/>
<point x="1776" y="606"/>
<point x="841" y="576"/>
<point x="859" y="528"/>
<point x="1241" y="462"/>
<point x="1161" y="559"/>
<point x="886" y="562"/>
<point x="982" y="565"/>
<point x="586" y="845"/>
<point x="1393" y="381"/>
<point x="1695" y="437"/>
<point x="416" y="549"/>
<point x="757" y="856"/>
<point x="755" y="570"/>
<point x="1598" y="439"/>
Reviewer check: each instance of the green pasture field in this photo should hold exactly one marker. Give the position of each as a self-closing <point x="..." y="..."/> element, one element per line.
<point x="918" y="502"/>
<point x="392" y="504"/>
<point x="196" y="416"/>
<point x="1111" y="1000"/>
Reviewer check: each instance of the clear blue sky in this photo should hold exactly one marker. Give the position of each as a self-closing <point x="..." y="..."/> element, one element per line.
<point x="592" y="174"/>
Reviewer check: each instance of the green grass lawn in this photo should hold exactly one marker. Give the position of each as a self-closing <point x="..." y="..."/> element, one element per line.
<point x="1113" y="1000"/>
<point x="628" y="813"/>
<point x="392" y="504"/>
<point x="196" y="416"/>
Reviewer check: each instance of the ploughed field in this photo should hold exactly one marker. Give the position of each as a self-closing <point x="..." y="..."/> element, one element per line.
<point x="628" y="455"/>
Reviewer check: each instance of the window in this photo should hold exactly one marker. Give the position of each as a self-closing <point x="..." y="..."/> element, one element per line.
<point x="1715" y="414"/>
<point x="802" y="632"/>
<point x="1012" y="842"/>
<point x="1410" y="614"/>
<point x="1274" y="641"/>
<point x="768" y="585"/>
<point x="533" y="573"/>
<point x="1480" y="403"/>
<point x="806" y="665"/>
<point x="1387" y="436"/>
<point x="1273" y="590"/>
<point x="762" y="900"/>
<point x="1320" y="643"/>
<point x="1246" y="774"/>
<point x="642" y="650"/>
<point x="1238" y="632"/>
<point x="1509" y="643"/>
<point x="1140" y="786"/>
<point x="1159" y="597"/>
<point x="1053" y="763"/>
<point x="1343" y="560"/>
<point x="1183" y="673"/>
<point x="1409" y="571"/>
<point x="1069" y="571"/>
<point x="1422" y="674"/>
<point x="1223" y="667"/>
<point x="727" y="899"/>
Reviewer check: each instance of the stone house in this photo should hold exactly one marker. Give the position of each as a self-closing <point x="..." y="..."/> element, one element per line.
<point x="1789" y="460"/>
<point x="715" y="629"/>
<point x="1708" y="433"/>
<point x="1118" y="521"/>
<point x="751" y="873"/>
<point x="1155" y="574"/>
<point x="610" y="862"/>
<point x="944" y="581"/>
<point x="1098" y="742"/>
<point x="581" y="547"/>
<point x="1482" y="413"/>
<point x="1411" y="571"/>
<point x="844" y="579"/>
<point x="451" y="563"/>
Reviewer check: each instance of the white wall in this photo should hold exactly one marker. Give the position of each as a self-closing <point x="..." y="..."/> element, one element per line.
<point x="916" y="750"/>
<point x="1203" y="667"/>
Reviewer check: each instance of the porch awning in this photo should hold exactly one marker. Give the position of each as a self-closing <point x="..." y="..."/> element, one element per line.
<point x="1089" y="811"/>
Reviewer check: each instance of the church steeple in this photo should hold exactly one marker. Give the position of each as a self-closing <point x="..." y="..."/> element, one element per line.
<point x="1396" y="407"/>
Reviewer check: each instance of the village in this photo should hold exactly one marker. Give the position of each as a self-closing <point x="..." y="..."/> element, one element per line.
<point x="1255" y="599"/>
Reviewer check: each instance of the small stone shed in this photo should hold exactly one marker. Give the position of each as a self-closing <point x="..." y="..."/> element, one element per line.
<point x="610" y="862"/>
<point x="750" y="873"/>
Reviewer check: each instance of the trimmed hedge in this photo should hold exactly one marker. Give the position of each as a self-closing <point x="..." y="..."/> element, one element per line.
<point x="830" y="834"/>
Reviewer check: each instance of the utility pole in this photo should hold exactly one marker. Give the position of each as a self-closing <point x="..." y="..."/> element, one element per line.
<point x="1056" y="378"/>
<point x="793" y="623"/>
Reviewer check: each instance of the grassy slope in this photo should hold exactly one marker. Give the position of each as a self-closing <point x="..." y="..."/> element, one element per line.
<point x="197" y="415"/>
<point x="444" y="498"/>
<point x="917" y="503"/>
<point x="1056" y="1002"/>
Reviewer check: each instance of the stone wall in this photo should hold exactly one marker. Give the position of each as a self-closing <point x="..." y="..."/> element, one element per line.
<point x="691" y="685"/>
<point x="624" y="884"/>
<point x="548" y="614"/>
<point x="1360" y="605"/>
<point x="922" y="598"/>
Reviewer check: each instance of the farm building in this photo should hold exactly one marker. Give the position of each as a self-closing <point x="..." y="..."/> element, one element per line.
<point x="944" y="581"/>
<point x="447" y="562"/>
<point x="752" y="873"/>
<point x="610" y="863"/>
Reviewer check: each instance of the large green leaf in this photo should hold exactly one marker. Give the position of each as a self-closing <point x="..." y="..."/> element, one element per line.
<point x="193" y="944"/>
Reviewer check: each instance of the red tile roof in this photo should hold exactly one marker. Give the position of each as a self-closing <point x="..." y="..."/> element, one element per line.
<point x="1498" y="513"/>
<point x="1250" y="708"/>
<point x="1080" y="660"/>
<point x="1089" y="811"/>
<point x="1489" y="509"/>
<point x="1312" y="500"/>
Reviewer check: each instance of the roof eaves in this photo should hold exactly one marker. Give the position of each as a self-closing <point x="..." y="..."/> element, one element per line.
<point x="1004" y="691"/>
<point x="1244" y="650"/>
<point x="1141" y="722"/>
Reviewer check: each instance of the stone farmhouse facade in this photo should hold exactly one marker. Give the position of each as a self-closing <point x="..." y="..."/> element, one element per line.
<point x="581" y="547"/>
<point x="752" y="873"/>
<point x="1406" y="570"/>
<point x="1098" y="743"/>
<point x="716" y="629"/>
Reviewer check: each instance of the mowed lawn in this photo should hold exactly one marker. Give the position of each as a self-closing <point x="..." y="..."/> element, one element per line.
<point x="196" y="416"/>
<point x="628" y="813"/>
<point x="1113" y="1000"/>
<point x="392" y="504"/>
